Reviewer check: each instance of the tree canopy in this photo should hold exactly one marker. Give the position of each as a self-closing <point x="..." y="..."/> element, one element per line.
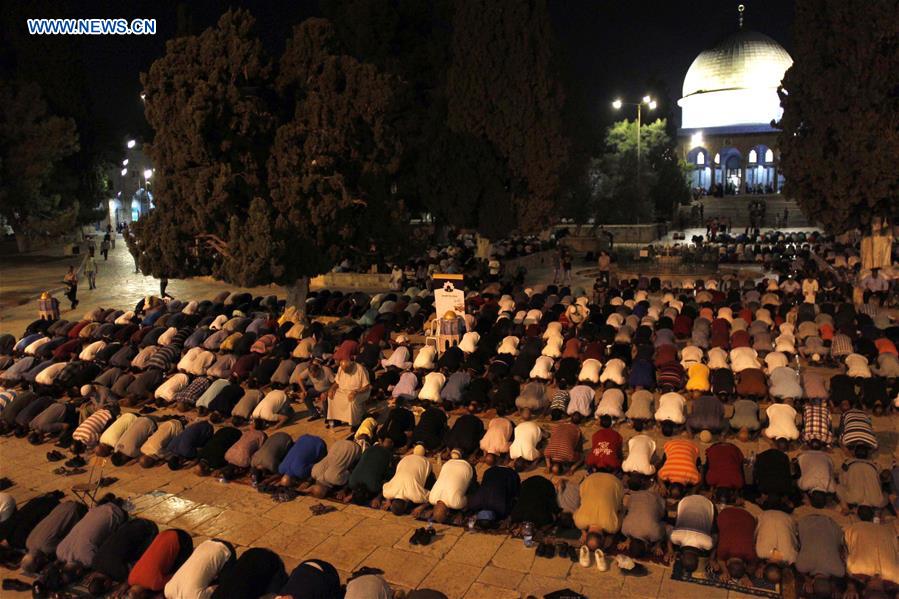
<point x="267" y="172"/>
<point x="33" y="144"/>
<point x="840" y="126"/>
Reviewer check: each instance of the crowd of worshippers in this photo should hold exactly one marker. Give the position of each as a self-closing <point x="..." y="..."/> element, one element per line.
<point x="63" y="542"/>
<point x="717" y="359"/>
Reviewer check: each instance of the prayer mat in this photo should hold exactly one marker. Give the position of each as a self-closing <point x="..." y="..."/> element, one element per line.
<point x="703" y="576"/>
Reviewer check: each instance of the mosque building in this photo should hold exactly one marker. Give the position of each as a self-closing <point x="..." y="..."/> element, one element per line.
<point x="729" y="103"/>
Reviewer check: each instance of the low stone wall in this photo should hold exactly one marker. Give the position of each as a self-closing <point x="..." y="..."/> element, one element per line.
<point x="351" y="280"/>
<point x="630" y="234"/>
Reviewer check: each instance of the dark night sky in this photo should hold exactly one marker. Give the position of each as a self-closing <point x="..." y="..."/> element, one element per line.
<point x="614" y="47"/>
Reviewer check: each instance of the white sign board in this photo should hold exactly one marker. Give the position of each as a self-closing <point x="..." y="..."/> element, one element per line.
<point x="449" y="295"/>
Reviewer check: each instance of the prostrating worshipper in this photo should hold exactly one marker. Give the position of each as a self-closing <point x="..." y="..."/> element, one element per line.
<point x="640" y="409"/>
<point x="211" y="456"/>
<point x="537" y="502"/>
<point x="860" y="486"/>
<point x="773" y="476"/>
<point x="465" y="435"/>
<point x="265" y="461"/>
<point x="451" y="488"/>
<point x="706" y="414"/>
<point x="274" y="409"/>
<point x="297" y="463"/>
<point x="820" y="560"/>
<point x="492" y="501"/>
<point x="857" y="433"/>
<point x="407" y="488"/>
<point x="367" y="478"/>
<point x="128" y="447"/>
<point x="86" y="435"/>
<point x="776" y="543"/>
<point x="312" y="579"/>
<point x="155" y="447"/>
<point x="311" y="381"/>
<point x="15" y="531"/>
<point x="243" y="409"/>
<point x="195" y="577"/>
<point x="348" y="394"/>
<point x="110" y="437"/>
<point x="496" y="440"/>
<point x="55" y="420"/>
<point x="872" y="558"/>
<point x="367" y="586"/>
<point x="45" y="535"/>
<point x="816" y="476"/>
<point x="724" y="471"/>
<point x="118" y="553"/>
<point x="333" y="470"/>
<point x="734" y="557"/>
<point x="745" y="420"/>
<point x="671" y="412"/>
<point x="643" y="525"/>
<point x="238" y="456"/>
<point x="182" y="450"/>
<point x="563" y="451"/>
<point x="525" y="438"/>
<point x="156" y="565"/>
<point x="256" y="572"/>
<point x="431" y="429"/>
<point x="692" y="534"/>
<point x="640" y="462"/>
<point x="399" y="423"/>
<point x="679" y="469"/>
<point x="599" y="515"/>
<point x="605" y="448"/>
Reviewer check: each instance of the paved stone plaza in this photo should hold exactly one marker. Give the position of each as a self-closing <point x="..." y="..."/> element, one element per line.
<point x="458" y="563"/>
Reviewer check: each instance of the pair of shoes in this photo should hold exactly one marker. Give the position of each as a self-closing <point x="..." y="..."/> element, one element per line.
<point x="584" y="556"/>
<point x="14" y="584"/>
<point x="316" y="416"/>
<point x="547" y="550"/>
<point x="564" y="550"/>
<point x="75" y="462"/>
<point x="422" y="536"/>
<point x="5" y="483"/>
<point x="54" y="456"/>
<point x="602" y="564"/>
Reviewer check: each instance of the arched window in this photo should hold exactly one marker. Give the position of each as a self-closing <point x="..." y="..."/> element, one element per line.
<point x="717" y="158"/>
<point x="753" y="156"/>
<point x="769" y="155"/>
<point x="700" y="158"/>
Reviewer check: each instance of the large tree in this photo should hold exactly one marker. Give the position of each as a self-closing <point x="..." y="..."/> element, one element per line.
<point x="33" y="144"/>
<point x="840" y="126"/>
<point x="268" y="173"/>
<point x="504" y="112"/>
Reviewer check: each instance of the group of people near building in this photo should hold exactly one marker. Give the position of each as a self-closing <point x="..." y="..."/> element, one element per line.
<point x="625" y="415"/>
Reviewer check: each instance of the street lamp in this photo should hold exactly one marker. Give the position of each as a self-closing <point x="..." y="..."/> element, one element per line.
<point x="651" y="105"/>
<point x="148" y="173"/>
<point x="131" y="143"/>
<point x="124" y="171"/>
<point x="125" y="162"/>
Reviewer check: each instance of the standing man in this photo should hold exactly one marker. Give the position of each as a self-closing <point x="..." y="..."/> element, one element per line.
<point x="71" y="282"/>
<point x="104" y="247"/>
<point x="90" y="270"/>
<point x="163" y="284"/>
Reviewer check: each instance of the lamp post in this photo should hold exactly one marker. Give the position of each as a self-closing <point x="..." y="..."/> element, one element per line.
<point x="651" y="105"/>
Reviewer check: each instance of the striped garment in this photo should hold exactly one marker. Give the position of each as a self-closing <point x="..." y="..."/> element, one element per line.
<point x="856" y="428"/>
<point x="841" y="345"/>
<point x="164" y="358"/>
<point x="680" y="463"/>
<point x="559" y="401"/>
<point x="670" y="376"/>
<point x="88" y="432"/>
<point x="6" y="397"/>
<point x="564" y="443"/>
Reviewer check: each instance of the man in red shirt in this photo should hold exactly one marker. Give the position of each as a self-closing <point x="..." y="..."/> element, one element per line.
<point x="163" y="557"/>
<point x="605" y="452"/>
<point x="724" y="470"/>
<point x="734" y="556"/>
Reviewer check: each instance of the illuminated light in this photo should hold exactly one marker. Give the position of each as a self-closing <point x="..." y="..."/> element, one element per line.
<point x="696" y="139"/>
<point x="717" y="158"/>
<point x="700" y="159"/>
<point x="652" y="104"/>
<point x="143" y="97"/>
<point x="753" y="156"/>
<point x="124" y="171"/>
<point x="769" y="155"/>
<point x="647" y="99"/>
<point x="131" y="143"/>
<point x="617" y="104"/>
<point x="125" y="162"/>
<point x="148" y="173"/>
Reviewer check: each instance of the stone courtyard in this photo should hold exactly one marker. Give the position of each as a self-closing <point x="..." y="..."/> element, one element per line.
<point x="459" y="563"/>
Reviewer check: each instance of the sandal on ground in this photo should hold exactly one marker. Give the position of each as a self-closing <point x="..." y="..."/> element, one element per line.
<point x="54" y="456"/>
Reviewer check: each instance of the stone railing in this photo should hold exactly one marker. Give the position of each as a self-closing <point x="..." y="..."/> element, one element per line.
<point x="351" y="280"/>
